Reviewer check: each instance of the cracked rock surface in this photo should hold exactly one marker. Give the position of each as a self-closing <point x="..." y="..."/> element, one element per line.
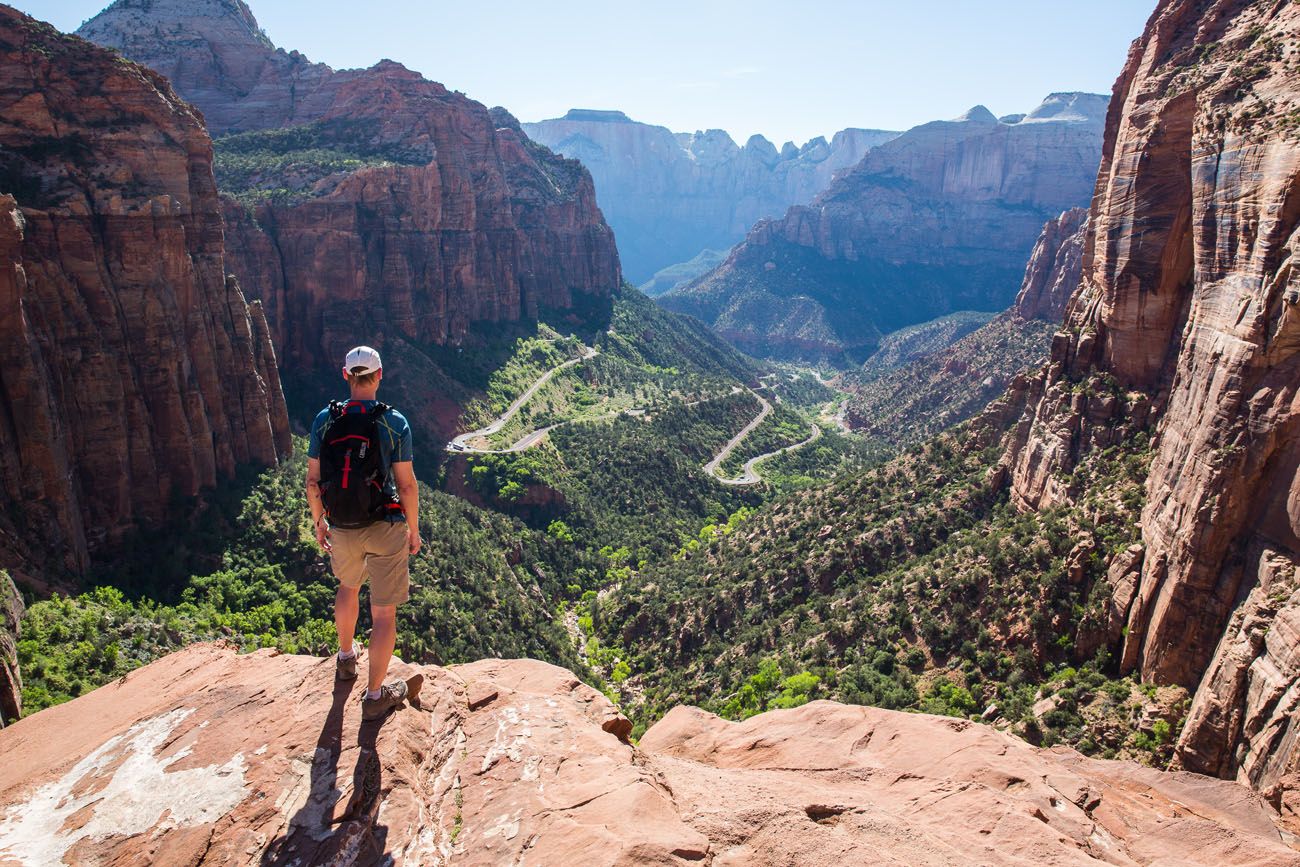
<point x="209" y="757"/>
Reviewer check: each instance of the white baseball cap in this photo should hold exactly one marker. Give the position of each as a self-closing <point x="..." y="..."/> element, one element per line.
<point x="365" y="357"/>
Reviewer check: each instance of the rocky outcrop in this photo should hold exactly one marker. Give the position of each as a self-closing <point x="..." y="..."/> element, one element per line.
<point x="1054" y="268"/>
<point x="206" y="757"/>
<point x="217" y="57"/>
<point x="668" y="196"/>
<point x="11" y="682"/>
<point x="938" y="220"/>
<point x="1188" y="306"/>
<point x="132" y="372"/>
<point x="395" y="211"/>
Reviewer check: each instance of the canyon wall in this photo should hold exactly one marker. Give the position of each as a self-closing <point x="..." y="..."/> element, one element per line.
<point x="938" y="220"/>
<point x="1188" y="311"/>
<point x="669" y="196"/>
<point x="373" y="206"/>
<point x="132" y="371"/>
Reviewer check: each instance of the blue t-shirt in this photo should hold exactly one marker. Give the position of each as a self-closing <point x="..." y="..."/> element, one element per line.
<point x="394" y="438"/>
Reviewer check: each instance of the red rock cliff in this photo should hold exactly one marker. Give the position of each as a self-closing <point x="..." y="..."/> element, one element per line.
<point x="1190" y="305"/>
<point x="455" y="218"/>
<point x="131" y="370"/>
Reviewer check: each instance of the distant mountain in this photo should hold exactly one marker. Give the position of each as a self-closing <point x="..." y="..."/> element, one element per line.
<point x="669" y="195"/>
<point x="938" y="220"/>
<point x="667" y="279"/>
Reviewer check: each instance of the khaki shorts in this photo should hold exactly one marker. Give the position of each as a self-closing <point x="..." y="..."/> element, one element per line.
<point x="379" y="552"/>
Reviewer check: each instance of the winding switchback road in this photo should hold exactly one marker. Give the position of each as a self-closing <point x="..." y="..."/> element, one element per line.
<point x="462" y="442"/>
<point x="749" y="475"/>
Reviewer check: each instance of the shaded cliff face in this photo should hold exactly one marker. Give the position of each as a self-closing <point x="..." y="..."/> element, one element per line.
<point x="1189" y="305"/>
<point x="205" y="757"/>
<point x="940" y="219"/>
<point x="11" y="681"/>
<point x="132" y="372"/>
<point x="373" y="206"/>
<point x="669" y="195"/>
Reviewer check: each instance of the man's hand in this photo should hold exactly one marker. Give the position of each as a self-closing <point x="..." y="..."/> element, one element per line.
<point x="413" y="539"/>
<point x="323" y="534"/>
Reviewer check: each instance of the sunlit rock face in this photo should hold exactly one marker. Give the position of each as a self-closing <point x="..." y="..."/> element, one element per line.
<point x="438" y="216"/>
<point x="210" y="757"/>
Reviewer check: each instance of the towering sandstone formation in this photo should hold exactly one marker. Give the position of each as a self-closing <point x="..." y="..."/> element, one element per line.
<point x="940" y="219"/>
<point x="1189" y="314"/>
<point x="670" y="195"/>
<point x="207" y="758"/>
<point x="132" y="371"/>
<point x="374" y="206"/>
<point x="1054" y="268"/>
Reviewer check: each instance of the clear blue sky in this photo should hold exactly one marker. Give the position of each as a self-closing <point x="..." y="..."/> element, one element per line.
<point x="786" y="69"/>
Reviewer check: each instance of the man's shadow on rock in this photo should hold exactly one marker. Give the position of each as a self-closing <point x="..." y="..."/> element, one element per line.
<point x="319" y="830"/>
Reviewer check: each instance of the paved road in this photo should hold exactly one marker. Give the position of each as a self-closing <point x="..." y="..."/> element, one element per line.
<point x="749" y="473"/>
<point x="531" y="439"/>
<point x="712" y="466"/>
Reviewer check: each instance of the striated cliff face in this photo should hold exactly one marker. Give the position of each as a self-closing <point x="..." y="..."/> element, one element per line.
<point x="205" y="757"/>
<point x="669" y="196"/>
<point x="374" y="206"/>
<point x="1188" y="311"/>
<point x="940" y="219"/>
<point x="132" y="372"/>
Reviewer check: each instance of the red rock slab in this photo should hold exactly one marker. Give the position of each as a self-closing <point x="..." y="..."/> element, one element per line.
<point x="828" y="782"/>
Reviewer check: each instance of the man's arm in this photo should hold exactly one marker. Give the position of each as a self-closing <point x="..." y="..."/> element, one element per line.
<point x="408" y="491"/>
<point x="314" y="502"/>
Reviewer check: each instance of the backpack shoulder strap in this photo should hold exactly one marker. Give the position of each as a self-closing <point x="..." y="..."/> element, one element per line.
<point x="379" y="409"/>
<point x="337" y="408"/>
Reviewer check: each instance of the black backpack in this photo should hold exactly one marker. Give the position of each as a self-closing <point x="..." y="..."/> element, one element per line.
<point x="352" y="477"/>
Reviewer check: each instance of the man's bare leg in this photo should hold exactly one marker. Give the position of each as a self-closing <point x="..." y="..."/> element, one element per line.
<point x="346" y="608"/>
<point x="383" y="638"/>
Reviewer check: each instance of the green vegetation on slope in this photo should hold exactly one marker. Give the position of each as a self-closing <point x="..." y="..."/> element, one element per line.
<point x="908" y="344"/>
<point x="782" y="427"/>
<point x="913" y="585"/>
<point x="481" y="586"/>
<point x="288" y="165"/>
<point x="900" y="406"/>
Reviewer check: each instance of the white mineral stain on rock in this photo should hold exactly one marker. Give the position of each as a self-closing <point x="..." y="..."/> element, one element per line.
<point x="505" y="744"/>
<point x="506" y="827"/>
<point x="133" y="800"/>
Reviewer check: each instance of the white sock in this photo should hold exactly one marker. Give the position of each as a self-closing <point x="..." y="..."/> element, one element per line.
<point x="351" y="654"/>
<point x="373" y="694"/>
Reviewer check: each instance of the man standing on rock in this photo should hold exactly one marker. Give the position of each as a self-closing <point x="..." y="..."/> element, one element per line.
<point x="365" y="508"/>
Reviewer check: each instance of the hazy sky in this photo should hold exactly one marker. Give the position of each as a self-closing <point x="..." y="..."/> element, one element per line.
<point x="786" y="69"/>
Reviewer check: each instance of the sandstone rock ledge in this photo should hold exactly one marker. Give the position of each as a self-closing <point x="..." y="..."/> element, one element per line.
<point x="207" y="757"/>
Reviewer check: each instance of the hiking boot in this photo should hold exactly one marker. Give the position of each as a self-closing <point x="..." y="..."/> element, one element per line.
<point x="345" y="669"/>
<point x="391" y="696"/>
